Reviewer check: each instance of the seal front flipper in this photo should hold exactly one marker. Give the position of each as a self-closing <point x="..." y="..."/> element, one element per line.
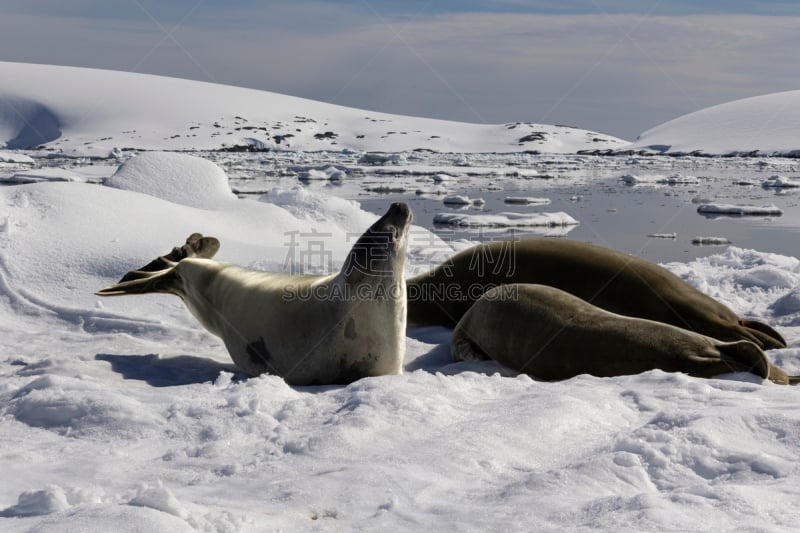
<point x="196" y="246"/>
<point x="462" y="348"/>
<point x="162" y="281"/>
<point x="158" y="275"/>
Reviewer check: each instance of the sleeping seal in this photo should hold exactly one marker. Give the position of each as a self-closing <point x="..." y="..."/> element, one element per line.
<point x="611" y="280"/>
<point x="307" y="329"/>
<point x="553" y="335"/>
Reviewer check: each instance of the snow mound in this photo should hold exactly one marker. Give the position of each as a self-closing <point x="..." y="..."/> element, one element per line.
<point x="505" y="219"/>
<point x="177" y="178"/>
<point x="763" y="125"/>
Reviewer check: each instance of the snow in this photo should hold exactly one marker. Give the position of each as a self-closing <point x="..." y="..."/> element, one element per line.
<point x="97" y="113"/>
<point x="764" y="125"/>
<point x="125" y="415"/>
<point x="739" y="210"/>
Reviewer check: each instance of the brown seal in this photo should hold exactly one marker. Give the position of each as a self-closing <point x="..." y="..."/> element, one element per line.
<point x="553" y="335"/>
<point x="611" y="280"/>
<point x="307" y="329"/>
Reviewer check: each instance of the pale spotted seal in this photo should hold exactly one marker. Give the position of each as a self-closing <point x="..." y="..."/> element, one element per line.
<point x="307" y="329"/>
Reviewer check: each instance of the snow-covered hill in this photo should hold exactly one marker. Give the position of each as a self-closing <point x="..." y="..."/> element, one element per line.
<point x="764" y="125"/>
<point x="92" y="112"/>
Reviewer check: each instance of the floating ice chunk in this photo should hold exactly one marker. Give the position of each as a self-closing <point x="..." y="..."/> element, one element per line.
<point x="43" y="174"/>
<point x="462" y="200"/>
<point x="702" y="200"/>
<point x="663" y="235"/>
<point x="781" y="182"/>
<point x="14" y="157"/>
<point x="526" y="200"/>
<point x="329" y="172"/>
<point x="443" y="178"/>
<point x="386" y="188"/>
<point x="710" y="241"/>
<point x="374" y="158"/>
<point x="437" y="190"/>
<point x="505" y="219"/>
<point x="739" y="210"/>
<point x="675" y="179"/>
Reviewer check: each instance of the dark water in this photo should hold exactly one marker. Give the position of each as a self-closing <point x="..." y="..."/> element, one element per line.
<point x="620" y="216"/>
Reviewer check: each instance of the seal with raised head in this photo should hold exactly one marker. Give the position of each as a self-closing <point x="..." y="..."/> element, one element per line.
<point x="307" y="329"/>
<point x="611" y="280"/>
<point x="550" y="334"/>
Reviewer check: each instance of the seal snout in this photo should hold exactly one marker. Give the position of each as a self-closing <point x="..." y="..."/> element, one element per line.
<point x="396" y="220"/>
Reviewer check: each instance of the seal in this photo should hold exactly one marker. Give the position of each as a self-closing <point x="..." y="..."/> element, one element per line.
<point x="308" y="329"/>
<point x="611" y="280"/>
<point x="553" y="335"/>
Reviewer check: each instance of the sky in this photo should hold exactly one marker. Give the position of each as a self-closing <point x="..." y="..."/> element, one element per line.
<point x="614" y="66"/>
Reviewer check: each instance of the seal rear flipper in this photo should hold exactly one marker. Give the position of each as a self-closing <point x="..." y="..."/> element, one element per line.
<point x="778" y="376"/>
<point x="164" y="281"/>
<point x="765" y="333"/>
<point x="743" y="356"/>
<point x="196" y="246"/>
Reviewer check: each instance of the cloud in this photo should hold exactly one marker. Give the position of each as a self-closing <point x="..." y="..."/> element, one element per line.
<point x="617" y="73"/>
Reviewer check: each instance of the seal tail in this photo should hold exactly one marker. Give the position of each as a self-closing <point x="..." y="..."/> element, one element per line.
<point x="765" y="333"/>
<point x="159" y="274"/>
